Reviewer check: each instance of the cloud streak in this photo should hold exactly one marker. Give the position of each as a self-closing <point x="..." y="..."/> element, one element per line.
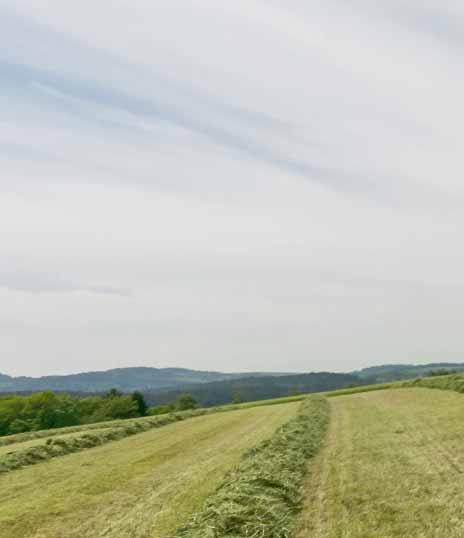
<point x="257" y="182"/>
<point x="120" y="108"/>
<point x="52" y="283"/>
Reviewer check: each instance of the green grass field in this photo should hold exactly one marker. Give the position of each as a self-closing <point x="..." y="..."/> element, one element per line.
<point x="392" y="467"/>
<point x="142" y="486"/>
<point x="31" y="448"/>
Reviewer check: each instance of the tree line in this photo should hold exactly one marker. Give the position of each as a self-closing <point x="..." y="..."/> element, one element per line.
<point x="248" y="389"/>
<point x="48" y="410"/>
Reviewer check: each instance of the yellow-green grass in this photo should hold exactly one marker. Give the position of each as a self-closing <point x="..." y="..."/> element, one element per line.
<point x="59" y="446"/>
<point x="44" y="435"/>
<point x="18" y="438"/>
<point x="273" y="401"/>
<point x="392" y="467"/>
<point x="261" y="496"/>
<point x="22" y="445"/>
<point x="143" y="486"/>
<point x="444" y="382"/>
<point x="363" y="388"/>
<point x="32" y="450"/>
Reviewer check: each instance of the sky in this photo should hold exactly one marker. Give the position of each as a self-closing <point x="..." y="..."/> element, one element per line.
<point x="237" y="186"/>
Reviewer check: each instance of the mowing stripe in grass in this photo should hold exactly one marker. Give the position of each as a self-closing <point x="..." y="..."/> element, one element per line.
<point x="363" y="388"/>
<point x="392" y="466"/>
<point x="261" y="497"/>
<point x="122" y="423"/>
<point x="18" y="438"/>
<point x="119" y="429"/>
<point x="56" y="446"/>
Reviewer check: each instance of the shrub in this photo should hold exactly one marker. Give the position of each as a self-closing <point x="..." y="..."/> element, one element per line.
<point x="161" y="409"/>
<point x="185" y="401"/>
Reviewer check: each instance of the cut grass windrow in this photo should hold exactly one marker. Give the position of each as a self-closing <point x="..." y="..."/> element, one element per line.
<point x="122" y="423"/>
<point x="17" y="438"/>
<point x="146" y="485"/>
<point x="45" y="434"/>
<point x="55" y="446"/>
<point x="262" y="495"/>
<point x="59" y="442"/>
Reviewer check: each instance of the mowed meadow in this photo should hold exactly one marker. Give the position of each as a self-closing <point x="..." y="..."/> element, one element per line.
<point x="383" y="463"/>
<point x="392" y="467"/>
<point x="144" y="485"/>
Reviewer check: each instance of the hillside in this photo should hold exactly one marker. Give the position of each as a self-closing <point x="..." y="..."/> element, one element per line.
<point x="156" y="381"/>
<point x="397" y="372"/>
<point x="252" y="388"/>
<point x="123" y="379"/>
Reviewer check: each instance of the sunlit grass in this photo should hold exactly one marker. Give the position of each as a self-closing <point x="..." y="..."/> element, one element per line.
<point x="393" y="467"/>
<point x="145" y="485"/>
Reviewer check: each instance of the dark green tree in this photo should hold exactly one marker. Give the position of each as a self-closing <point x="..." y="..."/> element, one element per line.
<point x="139" y="399"/>
<point x="113" y="393"/>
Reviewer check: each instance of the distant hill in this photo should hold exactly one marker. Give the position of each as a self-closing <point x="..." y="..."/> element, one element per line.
<point x="164" y="383"/>
<point x="247" y="389"/>
<point x="394" y="372"/>
<point x="124" y="379"/>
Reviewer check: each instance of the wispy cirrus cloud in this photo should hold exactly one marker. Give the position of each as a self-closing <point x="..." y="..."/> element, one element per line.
<point x="143" y="112"/>
<point x="257" y="180"/>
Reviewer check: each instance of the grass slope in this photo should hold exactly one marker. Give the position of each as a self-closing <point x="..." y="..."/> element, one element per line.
<point x="41" y="441"/>
<point x="145" y="485"/>
<point x="443" y="382"/>
<point x="30" y="453"/>
<point x="30" y="448"/>
<point x="392" y="467"/>
<point x="19" y="438"/>
<point x="260" y="497"/>
<point x="362" y="388"/>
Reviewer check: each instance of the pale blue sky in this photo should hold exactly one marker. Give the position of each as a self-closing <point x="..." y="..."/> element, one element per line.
<point x="252" y="185"/>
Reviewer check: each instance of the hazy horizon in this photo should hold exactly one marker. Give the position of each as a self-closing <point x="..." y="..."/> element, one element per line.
<point x="54" y="374"/>
<point x="246" y="186"/>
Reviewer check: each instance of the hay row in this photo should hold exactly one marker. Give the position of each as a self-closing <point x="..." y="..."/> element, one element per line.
<point x="42" y="434"/>
<point x="260" y="498"/>
<point x="55" y="447"/>
<point x="122" y="423"/>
